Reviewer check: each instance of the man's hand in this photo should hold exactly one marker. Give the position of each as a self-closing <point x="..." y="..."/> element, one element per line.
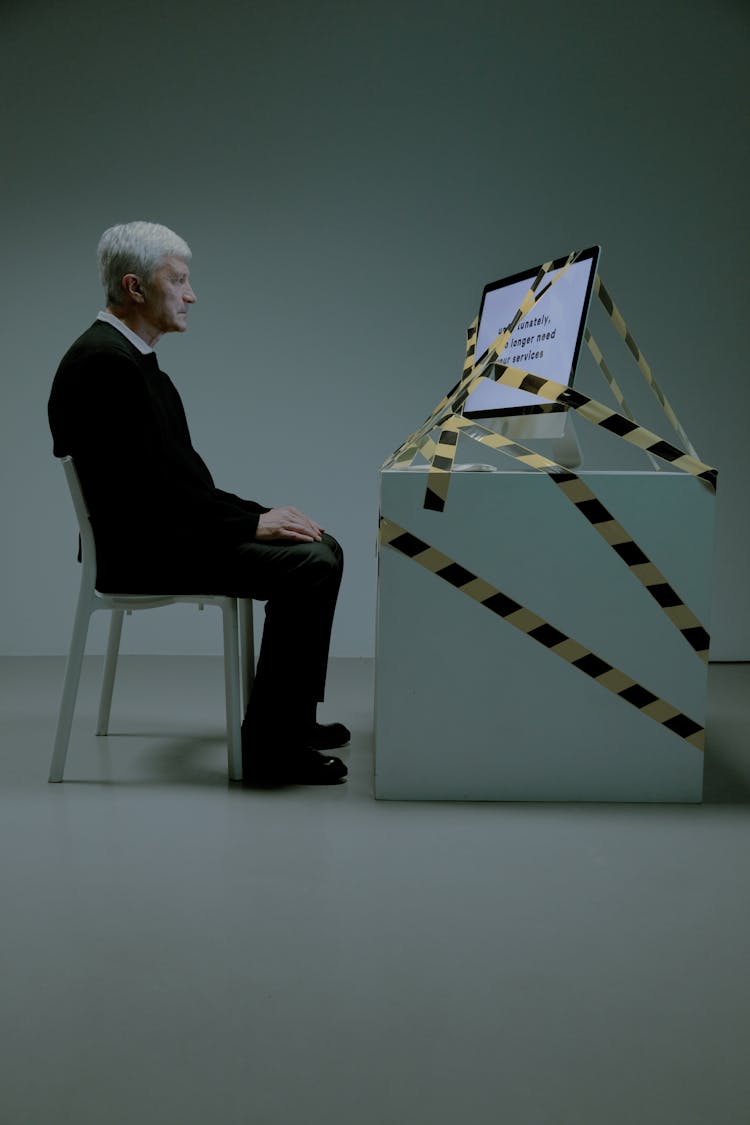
<point x="288" y="523"/>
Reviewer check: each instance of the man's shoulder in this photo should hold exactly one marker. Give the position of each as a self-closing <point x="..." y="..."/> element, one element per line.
<point x="100" y="340"/>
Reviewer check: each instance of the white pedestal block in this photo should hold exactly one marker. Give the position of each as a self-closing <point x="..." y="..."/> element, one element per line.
<point x="469" y="708"/>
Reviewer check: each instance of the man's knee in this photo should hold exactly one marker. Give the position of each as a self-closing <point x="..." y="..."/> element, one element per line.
<point x="335" y="548"/>
<point x="281" y="568"/>
<point x="303" y="564"/>
<point x="323" y="561"/>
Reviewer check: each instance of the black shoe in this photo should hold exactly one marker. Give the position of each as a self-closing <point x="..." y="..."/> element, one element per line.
<point x="329" y="736"/>
<point x="304" y="766"/>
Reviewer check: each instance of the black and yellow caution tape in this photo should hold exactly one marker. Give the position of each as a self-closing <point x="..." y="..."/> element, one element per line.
<point x="471" y="375"/>
<point x="614" y="386"/>
<point x="438" y="483"/>
<point x="624" y="332"/>
<point x="607" y="418"/>
<point x="419" y="440"/>
<point x="541" y="631"/>
<point x="639" y="564"/>
<point x="601" y="363"/>
<point x="471" y="346"/>
<point x="578" y="493"/>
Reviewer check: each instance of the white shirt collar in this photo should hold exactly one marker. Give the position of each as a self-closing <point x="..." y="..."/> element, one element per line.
<point x="128" y="333"/>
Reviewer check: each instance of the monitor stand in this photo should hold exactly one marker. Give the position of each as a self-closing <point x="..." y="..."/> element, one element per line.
<point x="553" y="435"/>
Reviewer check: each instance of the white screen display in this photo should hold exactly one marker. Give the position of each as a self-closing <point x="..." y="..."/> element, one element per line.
<point x="544" y="342"/>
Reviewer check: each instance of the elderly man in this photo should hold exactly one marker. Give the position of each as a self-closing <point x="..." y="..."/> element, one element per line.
<point x="160" y="523"/>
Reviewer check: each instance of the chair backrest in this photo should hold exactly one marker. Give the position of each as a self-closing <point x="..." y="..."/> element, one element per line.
<point x="88" y="547"/>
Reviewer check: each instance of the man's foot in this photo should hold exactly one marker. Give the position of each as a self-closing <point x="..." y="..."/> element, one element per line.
<point x="305" y="766"/>
<point x="329" y="736"/>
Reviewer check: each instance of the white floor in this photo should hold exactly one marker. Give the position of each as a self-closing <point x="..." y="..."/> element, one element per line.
<point x="176" y="950"/>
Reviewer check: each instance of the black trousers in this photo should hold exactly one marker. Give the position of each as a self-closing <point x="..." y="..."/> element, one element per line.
<point x="299" y="583"/>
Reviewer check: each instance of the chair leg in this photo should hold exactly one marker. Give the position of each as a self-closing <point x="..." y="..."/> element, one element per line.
<point x="232" y="688"/>
<point x="70" y="687"/>
<point x="247" y="649"/>
<point x="110" y="667"/>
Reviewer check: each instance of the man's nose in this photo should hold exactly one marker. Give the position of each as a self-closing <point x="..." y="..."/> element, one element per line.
<point x="189" y="296"/>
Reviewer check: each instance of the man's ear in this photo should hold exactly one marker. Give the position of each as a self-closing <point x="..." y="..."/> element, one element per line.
<point x="131" y="286"/>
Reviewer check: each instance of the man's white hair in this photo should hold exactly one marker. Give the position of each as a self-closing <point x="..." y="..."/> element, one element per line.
<point x="138" y="248"/>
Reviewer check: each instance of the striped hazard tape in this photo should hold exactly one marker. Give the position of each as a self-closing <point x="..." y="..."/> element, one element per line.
<point x="441" y="464"/>
<point x="624" y="332"/>
<point x="601" y="363"/>
<point x="575" y="490"/>
<point x="443" y="459"/>
<point x="472" y="373"/>
<point x="639" y="564"/>
<point x="471" y="346"/>
<point x="541" y="631"/>
<point x="607" y="418"/>
<point x="614" y="386"/>
<point x="418" y="441"/>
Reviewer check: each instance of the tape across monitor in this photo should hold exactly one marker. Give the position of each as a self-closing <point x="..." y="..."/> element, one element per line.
<point x="546" y="342"/>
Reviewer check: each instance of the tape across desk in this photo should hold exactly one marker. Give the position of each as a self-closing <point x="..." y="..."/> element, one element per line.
<point x="583" y="498"/>
<point x="543" y="632"/>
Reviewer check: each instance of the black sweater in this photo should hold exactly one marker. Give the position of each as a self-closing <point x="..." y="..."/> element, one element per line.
<point x="157" y="516"/>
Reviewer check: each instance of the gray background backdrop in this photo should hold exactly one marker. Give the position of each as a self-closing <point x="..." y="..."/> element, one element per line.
<point x="349" y="175"/>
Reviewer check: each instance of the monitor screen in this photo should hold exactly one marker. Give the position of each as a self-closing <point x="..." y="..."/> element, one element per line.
<point x="546" y="342"/>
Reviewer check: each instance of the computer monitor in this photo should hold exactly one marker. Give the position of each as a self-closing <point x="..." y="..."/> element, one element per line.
<point x="546" y="342"/>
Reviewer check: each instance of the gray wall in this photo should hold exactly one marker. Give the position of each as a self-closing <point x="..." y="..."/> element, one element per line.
<point x="349" y="175"/>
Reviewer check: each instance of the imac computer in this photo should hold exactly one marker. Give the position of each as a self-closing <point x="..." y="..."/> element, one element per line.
<point x="546" y="342"/>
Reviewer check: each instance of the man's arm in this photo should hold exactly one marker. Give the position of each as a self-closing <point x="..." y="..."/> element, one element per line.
<point x="137" y="474"/>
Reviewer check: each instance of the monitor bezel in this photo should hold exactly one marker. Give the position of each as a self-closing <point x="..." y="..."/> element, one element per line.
<point x="591" y="253"/>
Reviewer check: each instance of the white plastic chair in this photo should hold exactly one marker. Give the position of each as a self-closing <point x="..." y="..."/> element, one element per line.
<point x="237" y="616"/>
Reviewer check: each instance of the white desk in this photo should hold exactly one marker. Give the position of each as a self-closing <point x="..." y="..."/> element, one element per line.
<point x="469" y="708"/>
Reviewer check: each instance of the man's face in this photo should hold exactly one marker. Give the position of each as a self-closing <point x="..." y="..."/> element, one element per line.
<point x="167" y="296"/>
